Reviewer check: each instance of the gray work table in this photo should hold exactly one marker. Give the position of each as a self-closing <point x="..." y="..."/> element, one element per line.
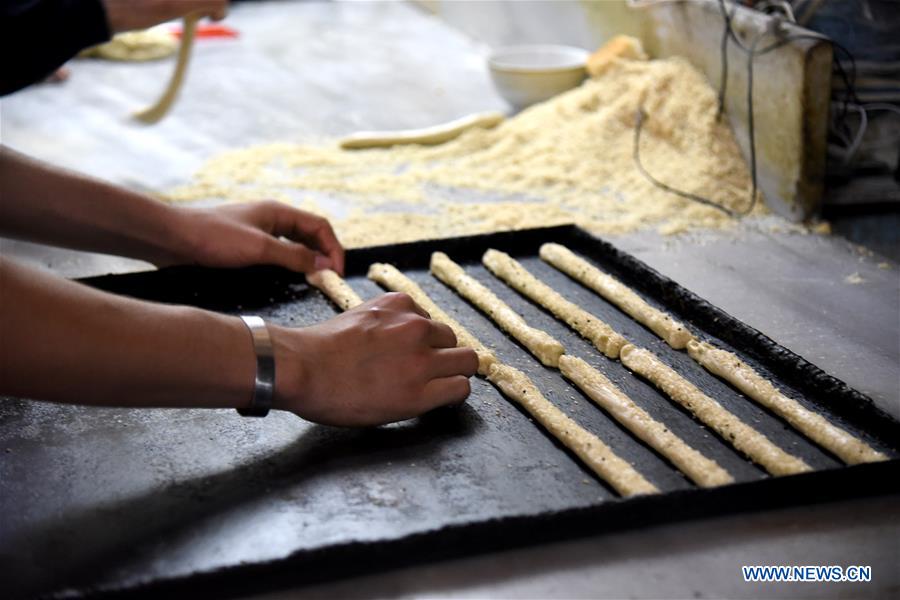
<point x="301" y="71"/>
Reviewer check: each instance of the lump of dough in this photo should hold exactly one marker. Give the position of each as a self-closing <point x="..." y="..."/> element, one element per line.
<point x="135" y="46"/>
<point x="620" y="47"/>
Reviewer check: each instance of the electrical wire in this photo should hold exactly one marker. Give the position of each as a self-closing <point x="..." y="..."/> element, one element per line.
<point x="728" y="34"/>
<point x="640" y="116"/>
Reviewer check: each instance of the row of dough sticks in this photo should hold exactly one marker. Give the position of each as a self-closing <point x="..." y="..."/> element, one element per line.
<point x="600" y="458"/>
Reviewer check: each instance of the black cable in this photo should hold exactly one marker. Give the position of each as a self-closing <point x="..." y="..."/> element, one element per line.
<point x="639" y="124"/>
<point x="751" y="126"/>
<point x="723" y="61"/>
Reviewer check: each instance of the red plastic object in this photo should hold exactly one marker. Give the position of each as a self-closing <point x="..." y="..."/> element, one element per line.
<point x="209" y="30"/>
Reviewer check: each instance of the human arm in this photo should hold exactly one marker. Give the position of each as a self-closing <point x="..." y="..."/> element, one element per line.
<point x="46" y="204"/>
<point x="65" y="342"/>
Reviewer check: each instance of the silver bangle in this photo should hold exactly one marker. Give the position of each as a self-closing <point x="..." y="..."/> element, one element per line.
<point x="264" y="383"/>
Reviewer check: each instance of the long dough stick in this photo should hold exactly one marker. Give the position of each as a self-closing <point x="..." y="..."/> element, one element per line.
<point x="518" y="387"/>
<point x="438" y="134"/>
<point x="591" y="327"/>
<point x="600" y="389"/>
<point x="389" y="277"/>
<point x="332" y="285"/>
<point x="610" y="288"/>
<point x="744" y="438"/>
<point x="543" y="346"/>
<point x="729" y="367"/>
<point x="156" y="112"/>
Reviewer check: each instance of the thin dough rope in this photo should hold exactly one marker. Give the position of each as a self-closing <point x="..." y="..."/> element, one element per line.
<point x="604" y="338"/>
<point x="519" y="388"/>
<point x="539" y="343"/>
<point x="701" y="470"/>
<point x="717" y="361"/>
<point x="427" y="136"/>
<point x="732" y="369"/>
<point x="594" y="384"/>
<point x="744" y="438"/>
<point x="335" y="288"/>
<point x="157" y="111"/>
<point x="608" y="287"/>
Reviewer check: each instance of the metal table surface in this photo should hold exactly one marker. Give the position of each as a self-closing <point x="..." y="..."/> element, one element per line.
<point x="387" y="65"/>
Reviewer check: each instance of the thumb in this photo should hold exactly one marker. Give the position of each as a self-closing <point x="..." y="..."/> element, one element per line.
<point x="295" y="257"/>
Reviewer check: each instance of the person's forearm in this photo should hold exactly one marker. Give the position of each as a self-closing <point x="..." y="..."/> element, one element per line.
<point x="45" y="204"/>
<point x="66" y="342"/>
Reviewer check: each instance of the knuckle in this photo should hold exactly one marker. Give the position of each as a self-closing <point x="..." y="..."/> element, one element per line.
<point x="417" y="327"/>
<point x="262" y="245"/>
<point x="401" y="299"/>
<point x="374" y="315"/>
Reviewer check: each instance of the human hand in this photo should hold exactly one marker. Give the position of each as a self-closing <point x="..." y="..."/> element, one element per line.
<point x="125" y="15"/>
<point x="380" y="362"/>
<point x="242" y="235"/>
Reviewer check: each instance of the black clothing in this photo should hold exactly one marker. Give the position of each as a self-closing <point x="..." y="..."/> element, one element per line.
<point x="38" y="36"/>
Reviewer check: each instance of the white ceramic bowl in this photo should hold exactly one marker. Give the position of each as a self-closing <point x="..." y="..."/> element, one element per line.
<point x="525" y="75"/>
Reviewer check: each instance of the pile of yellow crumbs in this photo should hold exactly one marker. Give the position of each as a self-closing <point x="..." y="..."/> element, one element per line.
<point x="567" y="160"/>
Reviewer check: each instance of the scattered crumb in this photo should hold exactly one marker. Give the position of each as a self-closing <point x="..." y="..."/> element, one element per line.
<point x="822" y="228"/>
<point x="854" y="279"/>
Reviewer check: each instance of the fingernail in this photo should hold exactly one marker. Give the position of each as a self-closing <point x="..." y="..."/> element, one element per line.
<point x="322" y="262"/>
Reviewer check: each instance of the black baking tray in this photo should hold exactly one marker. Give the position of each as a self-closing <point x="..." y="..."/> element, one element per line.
<point x="457" y="481"/>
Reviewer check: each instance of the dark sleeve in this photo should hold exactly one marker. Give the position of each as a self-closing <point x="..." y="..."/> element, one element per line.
<point x="38" y="36"/>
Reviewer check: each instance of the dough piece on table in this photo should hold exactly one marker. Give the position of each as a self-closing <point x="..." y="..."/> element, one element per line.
<point x="389" y="277"/>
<point x="519" y="388"/>
<point x="604" y="338"/>
<point x="619" y="48"/>
<point x="614" y="291"/>
<point x="135" y="46"/>
<point x="157" y="111"/>
<point x="539" y="343"/>
<point x="732" y="369"/>
<point x="427" y="136"/>
<point x="700" y="469"/>
<point x="744" y="438"/>
<point x="332" y="285"/>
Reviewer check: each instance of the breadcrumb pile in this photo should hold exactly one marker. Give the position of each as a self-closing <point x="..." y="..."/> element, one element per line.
<point x="567" y="160"/>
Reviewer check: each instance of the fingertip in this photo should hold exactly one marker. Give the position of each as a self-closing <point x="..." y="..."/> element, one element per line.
<point x="473" y="366"/>
<point x="466" y="389"/>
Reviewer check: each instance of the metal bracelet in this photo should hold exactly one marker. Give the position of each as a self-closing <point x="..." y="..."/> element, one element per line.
<point x="264" y="383"/>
